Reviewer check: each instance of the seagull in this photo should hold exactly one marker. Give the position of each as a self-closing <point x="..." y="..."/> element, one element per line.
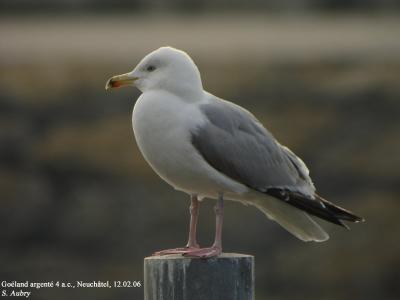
<point x="208" y="147"/>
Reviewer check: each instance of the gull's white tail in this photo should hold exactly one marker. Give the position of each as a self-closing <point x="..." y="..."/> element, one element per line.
<point x="297" y="222"/>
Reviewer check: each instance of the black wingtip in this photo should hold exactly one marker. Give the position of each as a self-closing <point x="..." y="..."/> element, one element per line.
<point x="318" y="207"/>
<point x="340" y="212"/>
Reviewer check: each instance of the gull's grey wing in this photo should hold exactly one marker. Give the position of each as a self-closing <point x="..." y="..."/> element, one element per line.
<point x="237" y="145"/>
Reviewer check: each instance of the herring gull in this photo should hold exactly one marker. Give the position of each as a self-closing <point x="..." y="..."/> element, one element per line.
<point x="208" y="147"/>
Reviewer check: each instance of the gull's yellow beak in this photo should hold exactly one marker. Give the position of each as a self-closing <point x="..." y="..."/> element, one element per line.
<point x="120" y="81"/>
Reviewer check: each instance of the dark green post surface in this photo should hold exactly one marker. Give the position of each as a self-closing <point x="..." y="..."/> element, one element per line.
<point x="229" y="276"/>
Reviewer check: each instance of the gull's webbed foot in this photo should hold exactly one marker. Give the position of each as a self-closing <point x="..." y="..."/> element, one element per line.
<point x="204" y="252"/>
<point x="181" y="250"/>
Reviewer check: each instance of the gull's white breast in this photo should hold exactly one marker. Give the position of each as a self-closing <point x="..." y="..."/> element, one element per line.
<point x="162" y="124"/>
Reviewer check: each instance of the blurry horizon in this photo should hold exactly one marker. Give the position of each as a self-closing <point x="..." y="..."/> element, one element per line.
<point x="199" y="6"/>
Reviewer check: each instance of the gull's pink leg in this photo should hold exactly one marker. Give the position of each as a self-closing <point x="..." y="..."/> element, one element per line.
<point x="194" y="216"/>
<point x="192" y="241"/>
<point x="216" y="248"/>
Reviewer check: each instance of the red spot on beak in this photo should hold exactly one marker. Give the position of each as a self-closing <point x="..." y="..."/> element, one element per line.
<point x="115" y="84"/>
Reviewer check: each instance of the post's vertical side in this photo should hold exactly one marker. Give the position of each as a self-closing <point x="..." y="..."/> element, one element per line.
<point x="174" y="277"/>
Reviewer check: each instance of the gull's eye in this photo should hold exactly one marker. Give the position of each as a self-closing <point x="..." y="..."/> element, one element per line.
<point x="150" y="68"/>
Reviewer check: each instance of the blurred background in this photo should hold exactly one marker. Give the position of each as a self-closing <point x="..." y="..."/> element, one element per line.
<point x="78" y="202"/>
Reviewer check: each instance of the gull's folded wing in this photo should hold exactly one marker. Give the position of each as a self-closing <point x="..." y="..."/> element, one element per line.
<point x="237" y="145"/>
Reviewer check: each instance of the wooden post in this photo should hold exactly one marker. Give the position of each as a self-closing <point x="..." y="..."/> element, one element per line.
<point x="229" y="276"/>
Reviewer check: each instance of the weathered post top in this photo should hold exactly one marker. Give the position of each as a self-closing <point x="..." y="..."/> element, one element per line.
<point x="229" y="276"/>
